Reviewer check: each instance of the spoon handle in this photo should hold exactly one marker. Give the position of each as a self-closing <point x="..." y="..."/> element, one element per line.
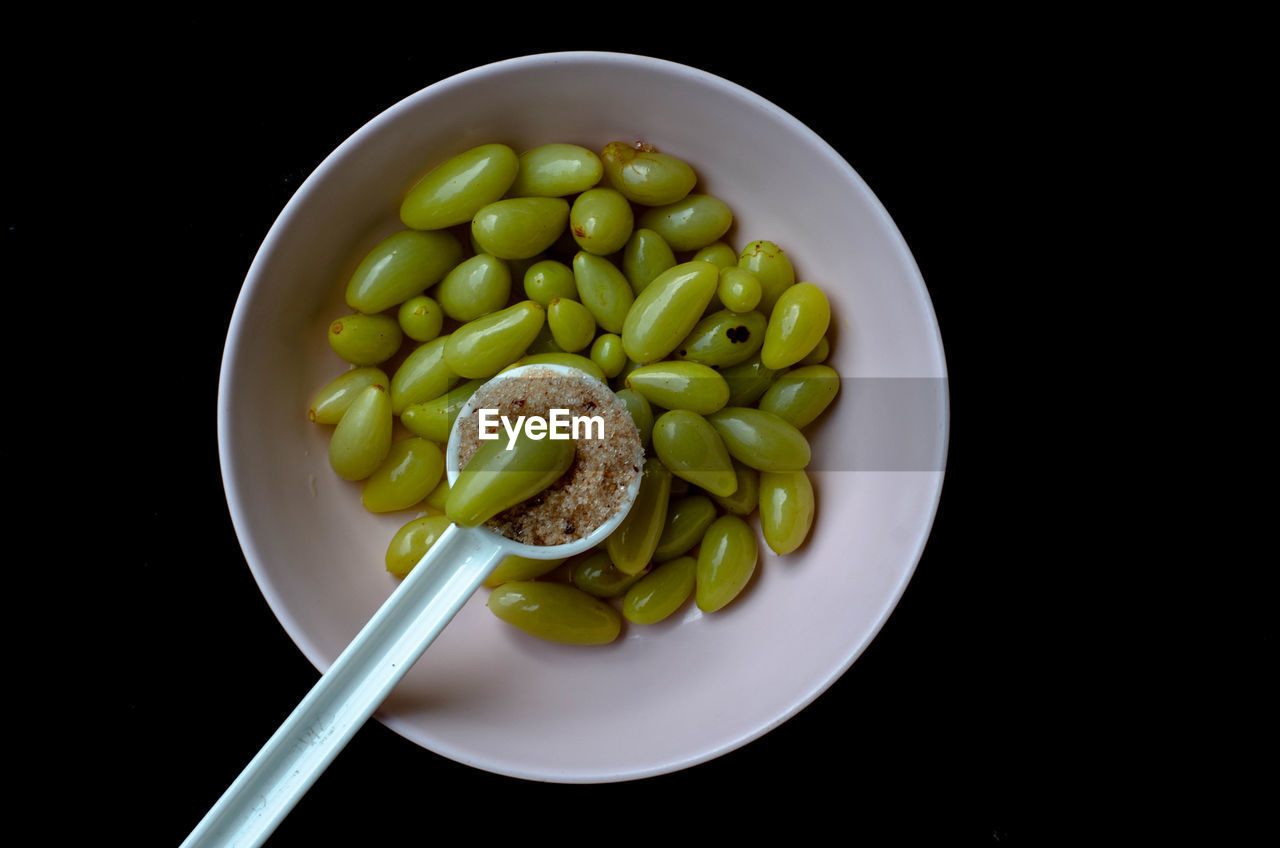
<point x="348" y="693"/>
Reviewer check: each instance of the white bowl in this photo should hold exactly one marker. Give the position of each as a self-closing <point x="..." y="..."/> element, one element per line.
<point x="695" y="686"/>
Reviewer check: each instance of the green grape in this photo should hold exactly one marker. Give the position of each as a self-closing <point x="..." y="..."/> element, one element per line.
<point x="641" y="413"/>
<point x="555" y="612"/>
<point x="739" y="289"/>
<point x="423" y="375"/>
<point x="690" y="447"/>
<point x="747" y="381"/>
<point x="549" y="279"/>
<point x="819" y="354"/>
<point x="544" y="342"/>
<point x="645" y="175"/>
<point x="771" y="267"/>
<point x="498" y="478"/>
<point x="679" y="487"/>
<point x="595" y="575"/>
<point x="724" y="338"/>
<point x="680" y="385"/>
<point x="726" y="561"/>
<point x="571" y="360"/>
<point x="601" y="221"/>
<point x="801" y="395"/>
<point x="476" y="287"/>
<point x="455" y="190"/>
<point x="331" y="401"/>
<point x="661" y="592"/>
<point x="667" y="309"/>
<point x="607" y="352"/>
<point x="421" y="318"/>
<point x="401" y="267"/>
<point x="413" y="468"/>
<point x="365" y="339"/>
<point x="798" y="322"/>
<point x="620" y="381"/>
<point x="747" y="496"/>
<point x="760" y="439"/>
<point x="433" y="419"/>
<point x="631" y="546"/>
<point x="412" y="541"/>
<point x="439" y="495"/>
<point x="362" y="438"/>
<point x="483" y="347"/>
<point x="520" y="227"/>
<point x="696" y="221"/>
<point x="645" y="257"/>
<point x="603" y="290"/>
<point x="556" y="170"/>
<point x="571" y="324"/>
<point x="687" y="520"/>
<point x="719" y="254"/>
<point x="514" y="568"/>
<point x="786" y="509"/>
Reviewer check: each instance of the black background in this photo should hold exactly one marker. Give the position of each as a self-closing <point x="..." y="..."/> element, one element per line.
<point x="943" y="726"/>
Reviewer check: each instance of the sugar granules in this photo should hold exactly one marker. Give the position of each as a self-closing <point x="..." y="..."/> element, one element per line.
<point x="596" y="483"/>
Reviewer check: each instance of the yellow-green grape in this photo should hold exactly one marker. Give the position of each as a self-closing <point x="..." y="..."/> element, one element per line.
<point x="603" y="290"/>
<point x="798" y="322"/>
<point x="402" y="266"/>
<point x="520" y="227"/>
<point x="747" y="381"/>
<point x="365" y="339"/>
<point x="719" y="254"/>
<point x="819" y="354"/>
<point x="331" y="401"/>
<point x="661" y="592"/>
<point x="771" y="267"/>
<point x="476" y="287"/>
<point x="498" y="478"/>
<point x="433" y="419"/>
<point x="421" y="318"/>
<point x="645" y="257"/>
<point x="739" y="289"/>
<point x="667" y="309"/>
<point x="412" y="541"/>
<point x="601" y="221"/>
<point x="641" y="413"/>
<point x="687" y="520"/>
<point x="696" y="221"/>
<point x="556" y="170"/>
<point x="362" y="439"/>
<point x="726" y="561"/>
<point x="452" y="192"/>
<point x="620" y="382"/>
<point x="631" y="546"/>
<point x="520" y="568"/>
<point x="571" y="323"/>
<point x="800" y="395"/>
<point x="646" y="176"/>
<point x="607" y="352"/>
<point x="423" y="375"/>
<point x="747" y="497"/>
<point x="555" y="612"/>
<point x="413" y="468"/>
<point x="549" y="279"/>
<point x="483" y="347"/>
<point x="786" y="509"/>
<point x="570" y="360"/>
<point x="544" y="342"/>
<point x="439" y="495"/>
<point x="595" y="575"/>
<point x="724" y="338"/>
<point x="761" y="439"/>
<point x="692" y="449"/>
<point x="681" y="385"/>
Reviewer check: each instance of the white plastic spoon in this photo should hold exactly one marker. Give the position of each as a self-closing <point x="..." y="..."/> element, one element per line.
<point x="366" y="671"/>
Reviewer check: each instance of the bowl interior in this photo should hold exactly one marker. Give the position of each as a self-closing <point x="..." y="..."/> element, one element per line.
<point x="693" y="686"/>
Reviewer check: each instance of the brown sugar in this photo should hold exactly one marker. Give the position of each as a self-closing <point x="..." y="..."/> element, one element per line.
<point x="595" y="485"/>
